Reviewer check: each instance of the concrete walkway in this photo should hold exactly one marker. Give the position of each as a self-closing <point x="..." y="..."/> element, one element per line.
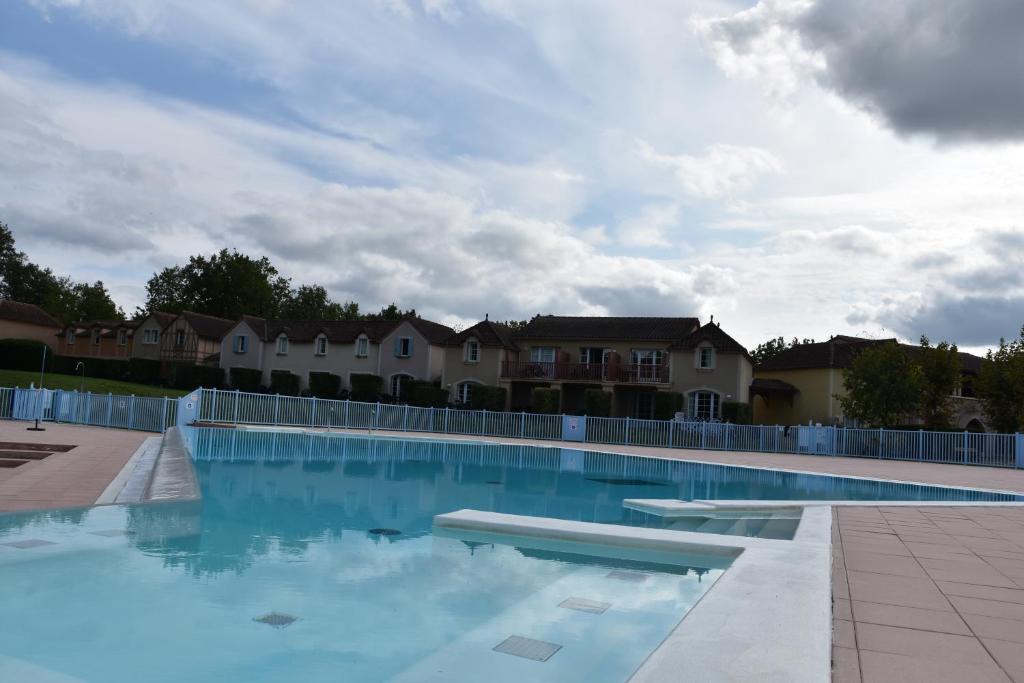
<point x="74" y="478"/>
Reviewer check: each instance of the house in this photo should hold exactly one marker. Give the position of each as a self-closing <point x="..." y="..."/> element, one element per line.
<point x="632" y="358"/>
<point x="109" y="339"/>
<point x="28" y="321"/>
<point x="193" y="339"/>
<point x="148" y="334"/>
<point x="395" y="350"/>
<point x="804" y="384"/>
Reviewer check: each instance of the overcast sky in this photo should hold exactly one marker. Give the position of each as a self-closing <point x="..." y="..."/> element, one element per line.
<point x="794" y="167"/>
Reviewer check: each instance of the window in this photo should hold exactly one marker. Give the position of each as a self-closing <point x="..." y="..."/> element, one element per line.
<point x="706" y="358"/>
<point x="282" y="345"/>
<point x="594" y="355"/>
<point x="464" y="392"/>
<point x="179" y="339"/>
<point x="398" y="384"/>
<point x="122" y="337"/>
<point x="542" y="354"/>
<point x="96" y="337"/>
<point x="70" y="337"/>
<point x="472" y="351"/>
<point x="647" y="365"/>
<point x="321" y="345"/>
<point x="403" y="347"/>
<point x="647" y="356"/>
<point x="150" y="336"/>
<point x="241" y="342"/>
<point x="362" y="347"/>
<point x="704" y="405"/>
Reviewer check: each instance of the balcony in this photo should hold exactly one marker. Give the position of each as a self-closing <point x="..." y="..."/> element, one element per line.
<point x="585" y="372"/>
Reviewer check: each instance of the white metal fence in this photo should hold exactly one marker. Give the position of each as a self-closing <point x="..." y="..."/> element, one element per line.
<point x="105" y="410"/>
<point x="233" y="407"/>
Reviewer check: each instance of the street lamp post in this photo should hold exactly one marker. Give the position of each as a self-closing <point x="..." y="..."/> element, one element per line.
<point x="39" y="393"/>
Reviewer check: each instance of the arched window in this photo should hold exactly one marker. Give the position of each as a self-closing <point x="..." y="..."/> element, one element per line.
<point x="704" y="405"/>
<point x="399" y="384"/>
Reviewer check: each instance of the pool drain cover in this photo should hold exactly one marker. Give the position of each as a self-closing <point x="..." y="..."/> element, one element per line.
<point x="276" y="619"/>
<point x="584" y="605"/>
<point x="385" y="532"/>
<point x="527" y="648"/>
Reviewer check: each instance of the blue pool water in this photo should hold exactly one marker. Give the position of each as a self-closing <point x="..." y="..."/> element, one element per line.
<point x="311" y="558"/>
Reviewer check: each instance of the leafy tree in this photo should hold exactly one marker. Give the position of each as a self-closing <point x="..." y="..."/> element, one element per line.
<point x="312" y="302"/>
<point x="883" y="386"/>
<point x="392" y="312"/>
<point x="227" y="284"/>
<point x="514" y="325"/>
<point x="773" y="347"/>
<point x="1000" y="385"/>
<point x="940" y="377"/>
<point x="81" y="301"/>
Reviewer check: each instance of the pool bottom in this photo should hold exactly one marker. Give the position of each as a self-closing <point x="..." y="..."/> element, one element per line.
<point x="159" y="593"/>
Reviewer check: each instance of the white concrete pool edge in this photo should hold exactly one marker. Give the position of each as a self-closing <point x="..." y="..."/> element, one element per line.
<point x="768" y="618"/>
<point x="160" y="471"/>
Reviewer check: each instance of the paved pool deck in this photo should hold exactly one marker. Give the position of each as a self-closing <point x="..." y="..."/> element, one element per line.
<point x="920" y="593"/>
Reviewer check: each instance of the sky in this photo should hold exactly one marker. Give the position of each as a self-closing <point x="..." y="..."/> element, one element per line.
<point x="799" y="168"/>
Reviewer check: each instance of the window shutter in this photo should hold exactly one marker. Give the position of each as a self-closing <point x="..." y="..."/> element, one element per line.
<point x="410" y="346"/>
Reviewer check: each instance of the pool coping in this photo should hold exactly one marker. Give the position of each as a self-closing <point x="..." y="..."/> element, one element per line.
<point x="160" y="471"/>
<point x="781" y="588"/>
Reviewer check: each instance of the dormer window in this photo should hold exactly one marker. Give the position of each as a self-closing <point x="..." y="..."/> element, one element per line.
<point x="320" y="345"/>
<point x="472" y="351"/>
<point x="96" y="337"/>
<point x="70" y="337"/>
<point x="706" y="358"/>
<point x="241" y="342"/>
<point x="282" y="345"/>
<point x="362" y="347"/>
<point x="122" y="337"/>
<point x="403" y="347"/>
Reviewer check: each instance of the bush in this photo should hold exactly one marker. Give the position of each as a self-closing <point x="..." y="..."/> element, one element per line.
<point x="737" y="412"/>
<point x="144" y="370"/>
<point x="543" y="400"/>
<point x="667" y="404"/>
<point x="246" y="379"/>
<point x="24" y="354"/>
<point x="187" y="376"/>
<point x="427" y="395"/>
<point x="366" y="387"/>
<point x="100" y="368"/>
<point x="597" y="403"/>
<point x="486" y="397"/>
<point x="284" y="383"/>
<point x="324" y="385"/>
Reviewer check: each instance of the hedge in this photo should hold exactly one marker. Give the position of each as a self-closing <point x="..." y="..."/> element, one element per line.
<point x="144" y="370"/>
<point x="544" y="400"/>
<point x="365" y="387"/>
<point x="284" y="383"/>
<point x="487" y="397"/>
<point x="24" y="354"/>
<point x="427" y="395"/>
<point x="737" y="412"/>
<point x="246" y="379"/>
<point x="667" y="404"/>
<point x="188" y="376"/>
<point x="597" y="403"/>
<point x="324" y="385"/>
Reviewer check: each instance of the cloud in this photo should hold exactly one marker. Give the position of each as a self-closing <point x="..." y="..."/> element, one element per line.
<point x="850" y="240"/>
<point x="721" y="170"/>
<point x="974" y="321"/>
<point x="649" y="226"/>
<point x="945" y="68"/>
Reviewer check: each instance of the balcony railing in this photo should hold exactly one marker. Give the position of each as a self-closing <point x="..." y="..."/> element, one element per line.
<point x="585" y="372"/>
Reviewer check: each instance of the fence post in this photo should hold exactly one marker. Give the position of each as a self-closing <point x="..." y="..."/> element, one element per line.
<point x="920" y="444"/>
<point x="163" y="417"/>
<point x="1018" y="450"/>
<point x="671" y="432"/>
<point x="703" y="435"/>
<point x="446" y="411"/>
<point x="346" y="413"/>
<point x="88" y="407"/>
<point x="277" y="407"/>
<point x="131" y="412"/>
<point x="881" y="437"/>
<point x="213" y="406"/>
<point x="965" y="447"/>
<point x="405" y="419"/>
<point x="483" y="422"/>
<point x="312" y="414"/>
<point x="627" y="430"/>
<point x="110" y="406"/>
<point x="376" y="417"/>
<point x="760" y="439"/>
<point x="522" y="424"/>
<point x="728" y="434"/>
<point x="238" y="399"/>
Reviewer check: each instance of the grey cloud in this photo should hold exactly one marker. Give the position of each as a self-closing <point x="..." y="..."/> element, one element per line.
<point x="969" y="321"/>
<point x="932" y="260"/>
<point x="949" y="68"/>
<point x="73" y="230"/>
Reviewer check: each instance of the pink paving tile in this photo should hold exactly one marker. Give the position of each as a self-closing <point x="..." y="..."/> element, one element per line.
<point x="883" y="667"/>
<point x="896" y="590"/>
<point x="994" y="627"/>
<point x="917" y="643"/>
<point x="909" y="617"/>
<point x="841" y="609"/>
<point x="1009" y="655"/>
<point x="845" y="667"/>
<point x="988" y="608"/>
<point x="883" y="564"/>
<point x="984" y="592"/>
<point x="842" y="634"/>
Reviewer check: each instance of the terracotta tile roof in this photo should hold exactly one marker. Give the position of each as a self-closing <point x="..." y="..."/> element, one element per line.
<point x="16" y="311"/>
<point x="711" y="332"/>
<point x="489" y="333"/>
<point x="609" y="328"/>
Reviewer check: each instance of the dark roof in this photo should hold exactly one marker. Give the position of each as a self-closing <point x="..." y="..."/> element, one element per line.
<point x="108" y="328"/>
<point x="840" y="351"/>
<point x="162" y="319"/>
<point x="207" y="326"/>
<point x="487" y="332"/>
<point x="711" y="332"/>
<point x="761" y="385"/>
<point x="608" y="328"/>
<point x="341" y="331"/>
<point x="26" y="313"/>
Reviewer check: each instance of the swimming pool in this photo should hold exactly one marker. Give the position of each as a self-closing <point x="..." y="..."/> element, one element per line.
<point x="311" y="557"/>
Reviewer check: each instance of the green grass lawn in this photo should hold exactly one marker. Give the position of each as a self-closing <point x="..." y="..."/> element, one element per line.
<point x="19" y="378"/>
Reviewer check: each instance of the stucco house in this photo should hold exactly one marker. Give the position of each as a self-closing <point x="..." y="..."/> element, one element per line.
<point x="395" y="350"/>
<point x="28" y="321"/>
<point x="804" y="383"/>
<point x="632" y="358"/>
<point x="193" y="338"/>
<point x="98" y="339"/>
<point x="149" y="333"/>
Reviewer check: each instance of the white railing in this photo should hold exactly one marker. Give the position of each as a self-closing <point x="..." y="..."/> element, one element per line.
<point x="103" y="410"/>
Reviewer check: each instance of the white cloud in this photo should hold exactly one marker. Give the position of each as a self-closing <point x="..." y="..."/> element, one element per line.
<point x="721" y="170"/>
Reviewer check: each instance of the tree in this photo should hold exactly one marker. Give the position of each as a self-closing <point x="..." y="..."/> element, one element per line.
<point x="883" y="386"/>
<point x="940" y="377"/>
<point x="311" y="302"/>
<point x="773" y="347"/>
<point x="392" y="312"/>
<point x="1000" y="385"/>
<point x="227" y="284"/>
<point x="514" y="325"/>
<point x="79" y="301"/>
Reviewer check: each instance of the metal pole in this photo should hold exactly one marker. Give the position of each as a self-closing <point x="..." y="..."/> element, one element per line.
<point x="277" y="407"/>
<point x="131" y="412"/>
<point x="39" y="394"/>
<point x="405" y="419"/>
<point x="627" y="430"/>
<point x="522" y="425"/>
<point x="110" y="406"/>
<point x="163" y="419"/>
